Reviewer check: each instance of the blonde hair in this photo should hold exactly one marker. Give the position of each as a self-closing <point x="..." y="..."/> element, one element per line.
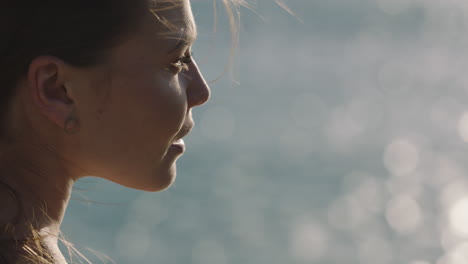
<point x="32" y="249"/>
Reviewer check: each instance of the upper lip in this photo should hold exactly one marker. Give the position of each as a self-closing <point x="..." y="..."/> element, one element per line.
<point x="184" y="130"/>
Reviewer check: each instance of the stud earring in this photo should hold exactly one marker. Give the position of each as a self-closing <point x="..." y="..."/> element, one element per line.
<point x="71" y="126"/>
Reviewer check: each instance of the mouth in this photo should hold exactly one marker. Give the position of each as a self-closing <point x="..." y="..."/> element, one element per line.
<point x="178" y="144"/>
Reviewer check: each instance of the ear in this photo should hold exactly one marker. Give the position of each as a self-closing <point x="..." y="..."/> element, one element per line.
<point x="46" y="80"/>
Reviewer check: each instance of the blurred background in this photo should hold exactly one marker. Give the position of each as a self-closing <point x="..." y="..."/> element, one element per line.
<point x="340" y="137"/>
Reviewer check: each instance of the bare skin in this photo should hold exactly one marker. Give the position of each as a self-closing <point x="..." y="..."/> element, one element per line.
<point x="131" y="110"/>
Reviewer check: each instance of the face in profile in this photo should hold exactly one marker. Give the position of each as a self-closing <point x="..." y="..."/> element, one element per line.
<point x="135" y="108"/>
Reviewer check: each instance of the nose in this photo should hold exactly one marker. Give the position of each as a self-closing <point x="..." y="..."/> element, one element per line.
<point x="198" y="91"/>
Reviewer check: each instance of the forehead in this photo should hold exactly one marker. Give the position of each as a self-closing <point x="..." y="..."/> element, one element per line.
<point x="173" y="19"/>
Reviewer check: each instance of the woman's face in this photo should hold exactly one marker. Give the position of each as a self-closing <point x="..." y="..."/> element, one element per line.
<point x="135" y="107"/>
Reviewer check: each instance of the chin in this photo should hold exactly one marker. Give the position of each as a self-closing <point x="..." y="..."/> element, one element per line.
<point x="158" y="179"/>
<point x="162" y="180"/>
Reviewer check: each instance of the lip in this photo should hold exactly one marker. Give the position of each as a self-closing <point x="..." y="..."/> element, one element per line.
<point x="178" y="146"/>
<point x="186" y="128"/>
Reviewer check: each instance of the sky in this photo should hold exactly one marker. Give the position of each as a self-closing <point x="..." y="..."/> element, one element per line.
<point x="339" y="136"/>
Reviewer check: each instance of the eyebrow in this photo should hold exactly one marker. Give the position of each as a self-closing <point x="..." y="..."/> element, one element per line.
<point x="184" y="41"/>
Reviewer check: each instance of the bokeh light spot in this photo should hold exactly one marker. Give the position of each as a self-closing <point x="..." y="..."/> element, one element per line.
<point x="343" y="129"/>
<point x="457" y="255"/>
<point x="403" y="214"/>
<point x="309" y="242"/>
<point x="346" y="213"/>
<point x="452" y="192"/>
<point x="458" y="217"/>
<point x="463" y="127"/>
<point x="375" y="250"/>
<point x="401" y="157"/>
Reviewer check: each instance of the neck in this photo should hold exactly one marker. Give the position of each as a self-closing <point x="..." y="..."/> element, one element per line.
<point x="33" y="196"/>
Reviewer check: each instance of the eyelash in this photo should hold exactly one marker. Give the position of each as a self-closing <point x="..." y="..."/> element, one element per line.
<point x="182" y="63"/>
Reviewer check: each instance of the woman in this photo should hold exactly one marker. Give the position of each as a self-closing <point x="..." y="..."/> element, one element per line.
<point x="88" y="88"/>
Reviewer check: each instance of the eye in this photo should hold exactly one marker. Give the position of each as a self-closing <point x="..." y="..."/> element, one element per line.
<point x="182" y="64"/>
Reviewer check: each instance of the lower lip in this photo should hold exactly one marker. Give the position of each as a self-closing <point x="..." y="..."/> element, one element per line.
<point x="178" y="146"/>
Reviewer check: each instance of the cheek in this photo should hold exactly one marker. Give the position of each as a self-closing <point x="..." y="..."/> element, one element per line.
<point x="140" y="118"/>
<point x="155" y="104"/>
<point x="165" y="102"/>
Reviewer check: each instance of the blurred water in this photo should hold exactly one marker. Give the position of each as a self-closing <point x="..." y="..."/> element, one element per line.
<point x="344" y="141"/>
